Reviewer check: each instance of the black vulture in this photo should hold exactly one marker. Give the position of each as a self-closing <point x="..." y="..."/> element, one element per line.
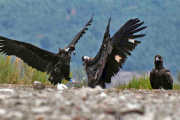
<point x="160" y="77"/>
<point x="112" y="54"/>
<point x="57" y="64"/>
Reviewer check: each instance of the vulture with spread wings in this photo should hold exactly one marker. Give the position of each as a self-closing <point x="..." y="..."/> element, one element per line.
<point x="112" y="54"/>
<point x="57" y="64"/>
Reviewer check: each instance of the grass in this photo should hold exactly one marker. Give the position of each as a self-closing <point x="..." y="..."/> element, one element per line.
<point x="142" y="83"/>
<point x="15" y="71"/>
<point x="136" y="83"/>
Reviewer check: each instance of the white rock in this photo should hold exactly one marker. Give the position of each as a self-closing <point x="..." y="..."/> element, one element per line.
<point x="61" y="87"/>
<point x="36" y="82"/>
<point x="42" y="109"/>
<point x="2" y="111"/>
<point x="103" y="95"/>
<point x="40" y="102"/>
<point x="122" y="97"/>
<point x="6" y="90"/>
<point x="14" y="114"/>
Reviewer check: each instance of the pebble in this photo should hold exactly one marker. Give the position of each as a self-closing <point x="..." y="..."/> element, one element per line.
<point x="42" y="109"/>
<point x="38" y="85"/>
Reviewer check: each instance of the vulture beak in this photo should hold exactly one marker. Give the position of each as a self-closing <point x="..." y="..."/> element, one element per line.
<point x="157" y="59"/>
<point x="74" y="52"/>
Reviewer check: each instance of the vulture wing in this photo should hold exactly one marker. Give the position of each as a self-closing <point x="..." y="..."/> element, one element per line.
<point x="114" y="50"/>
<point x="81" y="32"/>
<point x="99" y="61"/>
<point x="35" y="57"/>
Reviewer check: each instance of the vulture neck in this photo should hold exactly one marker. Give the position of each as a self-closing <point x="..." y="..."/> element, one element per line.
<point x="159" y="66"/>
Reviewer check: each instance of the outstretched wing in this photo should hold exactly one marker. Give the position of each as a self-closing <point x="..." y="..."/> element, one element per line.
<point x="114" y="51"/>
<point x="35" y="57"/>
<point x="81" y="32"/>
<point x="99" y="61"/>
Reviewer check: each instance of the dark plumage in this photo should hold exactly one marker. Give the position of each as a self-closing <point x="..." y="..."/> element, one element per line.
<point x="57" y="64"/>
<point x="160" y="77"/>
<point x="112" y="54"/>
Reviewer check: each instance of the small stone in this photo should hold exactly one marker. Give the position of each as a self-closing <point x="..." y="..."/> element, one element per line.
<point x="103" y="95"/>
<point x="133" y="108"/>
<point x="6" y="90"/>
<point x="110" y="111"/>
<point x="42" y="109"/>
<point x="104" y="116"/>
<point x="80" y="118"/>
<point x="40" y="117"/>
<point x="65" y="117"/>
<point x="122" y="97"/>
<point x="14" y="114"/>
<point x="40" y="102"/>
<point x="38" y="85"/>
<point x="50" y="89"/>
<point x="2" y="111"/>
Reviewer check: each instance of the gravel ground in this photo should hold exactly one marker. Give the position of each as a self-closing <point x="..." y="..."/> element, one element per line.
<point x="25" y="103"/>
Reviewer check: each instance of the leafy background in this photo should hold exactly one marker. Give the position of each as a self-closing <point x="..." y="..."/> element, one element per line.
<point x="51" y="24"/>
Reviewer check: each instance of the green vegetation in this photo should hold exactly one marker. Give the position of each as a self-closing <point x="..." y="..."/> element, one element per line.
<point x="142" y="83"/>
<point x="15" y="71"/>
<point x="54" y="23"/>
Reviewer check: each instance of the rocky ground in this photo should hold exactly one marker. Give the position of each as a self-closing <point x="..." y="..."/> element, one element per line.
<point x="25" y="103"/>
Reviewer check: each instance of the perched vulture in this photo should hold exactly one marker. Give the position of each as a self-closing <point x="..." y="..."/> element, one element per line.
<point x="160" y="77"/>
<point x="112" y="54"/>
<point x="57" y="64"/>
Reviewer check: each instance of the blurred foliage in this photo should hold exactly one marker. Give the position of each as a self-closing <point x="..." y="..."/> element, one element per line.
<point x="136" y="83"/>
<point x="51" y="24"/>
<point x="142" y="83"/>
<point x="15" y="71"/>
<point x="176" y="86"/>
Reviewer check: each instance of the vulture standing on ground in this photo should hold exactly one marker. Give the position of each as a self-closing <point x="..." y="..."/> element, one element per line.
<point x="160" y="77"/>
<point x="57" y="64"/>
<point x="112" y="54"/>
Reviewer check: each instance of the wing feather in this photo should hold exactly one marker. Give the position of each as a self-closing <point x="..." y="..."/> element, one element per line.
<point x="113" y="52"/>
<point x="35" y="57"/>
<point x="81" y="32"/>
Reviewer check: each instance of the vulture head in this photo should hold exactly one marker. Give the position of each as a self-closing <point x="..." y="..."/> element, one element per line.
<point x="85" y="60"/>
<point x="158" y="60"/>
<point x="70" y="49"/>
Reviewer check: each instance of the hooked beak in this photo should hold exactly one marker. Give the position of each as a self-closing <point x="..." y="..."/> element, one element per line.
<point x="74" y="52"/>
